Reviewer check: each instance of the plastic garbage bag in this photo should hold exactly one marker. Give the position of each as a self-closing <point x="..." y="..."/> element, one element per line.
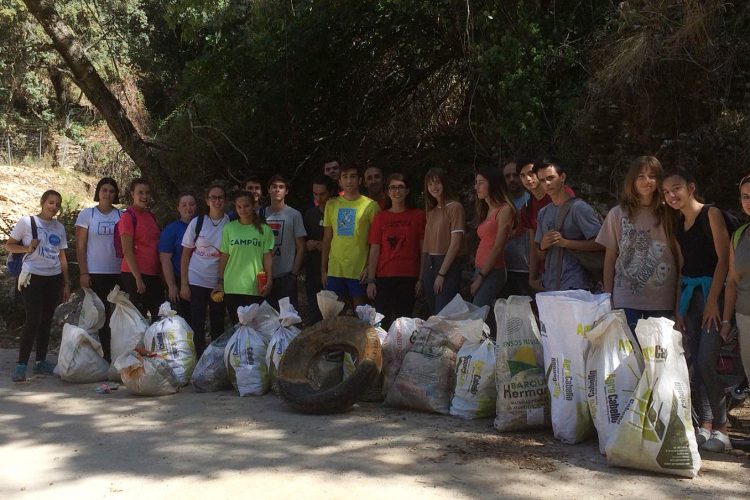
<point x="93" y="314"/>
<point x="522" y="395"/>
<point x="126" y="325"/>
<point x="146" y="374"/>
<point x="245" y="356"/>
<point x="266" y="320"/>
<point x="475" y="394"/>
<point x="284" y="334"/>
<point x="210" y="374"/>
<point x="329" y="304"/>
<point x="81" y="359"/>
<point x="397" y="343"/>
<point x="172" y="338"/>
<point x="426" y="377"/>
<point x="566" y="317"/>
<point x="613" y="366"/>
<point x="656" y="432"/>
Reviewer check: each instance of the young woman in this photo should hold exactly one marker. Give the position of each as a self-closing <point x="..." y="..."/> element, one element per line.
<point x="737" y="293"/>
<point x="641" y="257"/>
<point x="200" y="267"/>
<point x="704" y="246"/>
<point x="246" y="250"/>
<point x="170" y="253"/>
<point x="395" y="241"/>
<point x="443" y="244"/>
<point x="139" y="236"/>
<point x="95" y="250"/>
<point x="43" y="280"/>
<point x="496" y="215"/>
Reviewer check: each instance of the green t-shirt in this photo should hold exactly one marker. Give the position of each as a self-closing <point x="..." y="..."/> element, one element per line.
<point x="351" y="222"/>
<point x="246" y="247"/>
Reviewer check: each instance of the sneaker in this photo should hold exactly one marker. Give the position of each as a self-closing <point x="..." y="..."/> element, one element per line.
<point x="19" y="375"/>
<point x="718" y="443"/>
<point x="44" y="367"/>
<point x="702" y="436"/>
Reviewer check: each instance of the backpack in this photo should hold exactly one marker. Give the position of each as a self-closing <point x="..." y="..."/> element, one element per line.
<point x="591" y="262"/>
<point x="732" y="223"/>
<point x="198" y="227"/>
<point x="117" y="241"/>
<point x="15" y="260"/>
<point x="738" y="234"/>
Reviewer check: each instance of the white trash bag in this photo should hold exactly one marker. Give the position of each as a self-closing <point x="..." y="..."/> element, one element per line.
<point x="426" y="377"/>
<point x="475" y="395"/>
<point x="172" y="338"/>
<point x="614" y="366"/>
<point x="245" y="356"/>
<point x="146" y="374"/>
<point x="282" y="337"/>
<point x="398" y="341"/>
<point x="81" y="358"/>
<point x="522" y="394"/>
<point x="566" y="317"/>
<point x="656" y="431"/>
<point x="127" y="327"/>
<point x="266" y="319"/>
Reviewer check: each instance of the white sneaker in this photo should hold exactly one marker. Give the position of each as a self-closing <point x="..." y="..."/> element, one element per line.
<point x="702" y="435"/>
<point x="718" y="443"/>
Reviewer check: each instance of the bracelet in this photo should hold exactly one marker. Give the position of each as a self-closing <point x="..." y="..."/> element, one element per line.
<point x="725" y="322"/>
<point x="370" y="281"/>
<point x="84" y="274"/>
<point x="441" y="275"/>
<point x="482" y="274"/>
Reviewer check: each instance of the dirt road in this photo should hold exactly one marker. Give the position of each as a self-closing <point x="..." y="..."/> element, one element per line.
<point x="65" y="441"/>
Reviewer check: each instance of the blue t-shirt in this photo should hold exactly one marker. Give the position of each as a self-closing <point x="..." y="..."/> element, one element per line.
<point x="170" y="241"/>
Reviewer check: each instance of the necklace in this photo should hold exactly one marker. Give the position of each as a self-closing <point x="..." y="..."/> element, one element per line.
<point x="215" y="224"/>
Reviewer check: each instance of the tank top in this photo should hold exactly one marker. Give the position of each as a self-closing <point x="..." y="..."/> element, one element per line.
<point x="487" y="232"/>
<point x="697" y="246"/>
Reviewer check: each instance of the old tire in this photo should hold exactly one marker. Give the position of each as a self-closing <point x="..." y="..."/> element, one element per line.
<point x="342" y="333"/>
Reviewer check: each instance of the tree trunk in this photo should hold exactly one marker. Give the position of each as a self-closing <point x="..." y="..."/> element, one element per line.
<point x="96" y="91"/>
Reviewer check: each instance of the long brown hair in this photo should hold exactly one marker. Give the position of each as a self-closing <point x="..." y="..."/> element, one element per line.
<point x="440" y="174"/>
<point x="630" y="202"/>
<point x="257" y="221"/>
<point x="498" y="192"/>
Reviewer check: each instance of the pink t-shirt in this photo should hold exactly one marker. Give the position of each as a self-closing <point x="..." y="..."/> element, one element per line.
<point x="487" y="232"/>
<point x="145" y="240"/>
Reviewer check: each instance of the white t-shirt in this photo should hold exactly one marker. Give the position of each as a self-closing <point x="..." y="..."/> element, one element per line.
<point x="287" y="225"/>
<point x="203" y="269"/>
<point x="45" y="260"/>
<point x="100" y="247"/>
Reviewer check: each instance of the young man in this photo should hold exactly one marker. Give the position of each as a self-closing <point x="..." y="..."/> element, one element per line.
<point x="373" y="180"/>
<point x="323" y="188"/>
<point x="517" y="248"/>
<point x="332" y="168"/>
<point x="346" y="225"/>
<point x="576" y="232"/>
<point x="289" y="247"/>
<point x="538" y="199"/>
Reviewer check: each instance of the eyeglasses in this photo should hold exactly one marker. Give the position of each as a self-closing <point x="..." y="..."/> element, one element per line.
<point x="396" y="188"/>
<point x="745" y="198"/>
<point x="215" y="198"/>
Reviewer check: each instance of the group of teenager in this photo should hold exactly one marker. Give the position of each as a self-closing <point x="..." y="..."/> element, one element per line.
<point x="665" y="253"/>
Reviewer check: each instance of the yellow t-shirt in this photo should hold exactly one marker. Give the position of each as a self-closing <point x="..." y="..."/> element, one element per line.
<point x="351" y="222"/>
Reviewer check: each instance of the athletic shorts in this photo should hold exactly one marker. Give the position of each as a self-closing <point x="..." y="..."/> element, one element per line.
<point x="344" y="287"/>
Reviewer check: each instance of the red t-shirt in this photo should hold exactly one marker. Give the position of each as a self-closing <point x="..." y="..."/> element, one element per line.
<point x="145" y="241"/>
<point x="399" y="236"/>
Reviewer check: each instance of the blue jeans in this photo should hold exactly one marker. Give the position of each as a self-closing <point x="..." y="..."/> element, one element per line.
<point x="633" y="315"/>
<point x="488" y="293"/>
<point x="451" y="282"/>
